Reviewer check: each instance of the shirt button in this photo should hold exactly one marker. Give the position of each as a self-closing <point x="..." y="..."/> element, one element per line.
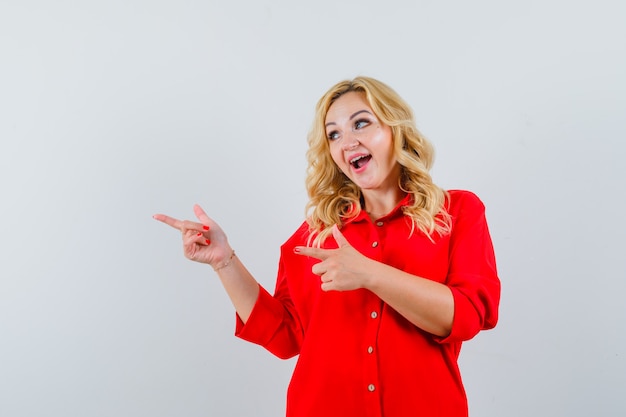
<point x="370" y="349"/>
<point x="374" y="314"/>
<point x="374" y="244"/>
<point x="379" y="224"/>
<point x="371" y="387"/>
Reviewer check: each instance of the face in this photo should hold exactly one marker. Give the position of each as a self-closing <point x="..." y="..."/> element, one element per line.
<point x="360" y="145"/>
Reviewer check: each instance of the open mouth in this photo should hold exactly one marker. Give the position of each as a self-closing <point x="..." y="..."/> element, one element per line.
<point x="360" y="161"/>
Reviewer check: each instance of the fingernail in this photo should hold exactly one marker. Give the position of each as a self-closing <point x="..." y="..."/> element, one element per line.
<point x="208" y="242"/>
<point x="205" y="227"/>
<point x="296" y="249"/>
<point x="199" y="234"/>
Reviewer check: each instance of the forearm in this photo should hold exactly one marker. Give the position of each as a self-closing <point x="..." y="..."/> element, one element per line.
<point x="427" y="304"/>
<point x="240" y="286"/>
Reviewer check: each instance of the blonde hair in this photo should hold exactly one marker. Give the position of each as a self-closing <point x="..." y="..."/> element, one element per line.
<point x="335" y="199"/>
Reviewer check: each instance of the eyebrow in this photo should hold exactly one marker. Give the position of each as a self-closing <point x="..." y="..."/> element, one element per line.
<point x="351" y="117"/>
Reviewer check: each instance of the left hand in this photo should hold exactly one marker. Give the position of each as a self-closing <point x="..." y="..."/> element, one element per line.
<point x="341" y="269"/>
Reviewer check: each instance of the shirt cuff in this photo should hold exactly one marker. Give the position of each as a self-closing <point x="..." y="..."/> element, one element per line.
<point x="265" y="319"/>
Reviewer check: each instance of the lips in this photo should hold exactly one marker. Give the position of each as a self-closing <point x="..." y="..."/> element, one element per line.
<point x="359" y="161"/>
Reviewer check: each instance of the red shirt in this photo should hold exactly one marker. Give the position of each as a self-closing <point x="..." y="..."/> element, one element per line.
<point x="358" y="356"/>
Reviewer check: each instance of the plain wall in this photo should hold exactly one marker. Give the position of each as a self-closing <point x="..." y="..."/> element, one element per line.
<point x="111" y="111"/>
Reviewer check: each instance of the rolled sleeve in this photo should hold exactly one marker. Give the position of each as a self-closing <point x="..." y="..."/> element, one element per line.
<point x="273" y="323"/>
<point x="472" y="275"/>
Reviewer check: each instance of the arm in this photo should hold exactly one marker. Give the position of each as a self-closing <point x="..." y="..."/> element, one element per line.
<point x="427" y="304"/>
<point x="241" y="287"/>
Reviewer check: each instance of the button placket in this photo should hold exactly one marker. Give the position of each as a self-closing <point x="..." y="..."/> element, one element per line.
<point x="373" y="310"/>
<point x="371" y="387"/>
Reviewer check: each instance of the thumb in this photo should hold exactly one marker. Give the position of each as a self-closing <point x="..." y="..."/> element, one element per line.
<point x="201" y="215"/>
<point x="339" y="237"/>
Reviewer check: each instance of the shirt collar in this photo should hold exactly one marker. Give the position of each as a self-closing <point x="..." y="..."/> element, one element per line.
<point x="397" y="210"/>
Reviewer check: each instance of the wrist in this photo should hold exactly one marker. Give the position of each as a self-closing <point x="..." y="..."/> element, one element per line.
<point x="371" y="280"/>
<point x="225" y="262"/>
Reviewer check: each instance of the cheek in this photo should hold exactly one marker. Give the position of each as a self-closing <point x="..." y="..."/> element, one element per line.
<point x="384" y="145"/>
<point x="335" y="154"/>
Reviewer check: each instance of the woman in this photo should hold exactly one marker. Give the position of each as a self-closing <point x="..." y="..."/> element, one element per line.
<point x="382" y="283"/>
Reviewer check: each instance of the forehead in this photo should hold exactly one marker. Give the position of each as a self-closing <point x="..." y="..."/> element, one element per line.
<point x="346" y="105"/>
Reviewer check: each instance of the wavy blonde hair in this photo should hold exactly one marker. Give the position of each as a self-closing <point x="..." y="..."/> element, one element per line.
<point x="335" y="199"/>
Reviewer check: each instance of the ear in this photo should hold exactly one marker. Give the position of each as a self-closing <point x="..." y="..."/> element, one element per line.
<point x="339" y="237"/>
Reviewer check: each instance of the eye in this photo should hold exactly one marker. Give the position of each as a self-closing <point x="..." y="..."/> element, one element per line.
<point x="332" y="135"/>
<point x="361" y="123"/>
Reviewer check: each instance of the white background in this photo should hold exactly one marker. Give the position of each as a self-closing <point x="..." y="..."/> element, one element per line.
<point x="111" y="111"/>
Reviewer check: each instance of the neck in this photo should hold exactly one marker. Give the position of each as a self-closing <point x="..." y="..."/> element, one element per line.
<point x="380" y="204"/>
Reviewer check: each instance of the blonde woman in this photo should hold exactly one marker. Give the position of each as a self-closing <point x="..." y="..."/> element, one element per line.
<point x="379" y="287"/>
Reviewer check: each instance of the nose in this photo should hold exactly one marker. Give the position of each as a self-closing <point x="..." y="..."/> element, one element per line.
<point x="350" y="143"/>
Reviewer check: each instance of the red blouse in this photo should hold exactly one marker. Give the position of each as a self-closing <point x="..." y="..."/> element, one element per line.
<point x="358" y="356"/>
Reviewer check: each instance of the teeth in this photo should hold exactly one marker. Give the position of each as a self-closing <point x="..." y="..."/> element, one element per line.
<point x="353" y="160"/>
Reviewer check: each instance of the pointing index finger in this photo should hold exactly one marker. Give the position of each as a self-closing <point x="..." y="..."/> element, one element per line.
<point x="317" y="253"/>
<point x="170" y="221"/>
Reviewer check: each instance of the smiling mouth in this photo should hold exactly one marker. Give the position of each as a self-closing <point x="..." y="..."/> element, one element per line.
<point x="359" y="161"/>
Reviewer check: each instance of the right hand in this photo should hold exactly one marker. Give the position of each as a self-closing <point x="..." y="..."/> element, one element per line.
<point x="203" y="242"/>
